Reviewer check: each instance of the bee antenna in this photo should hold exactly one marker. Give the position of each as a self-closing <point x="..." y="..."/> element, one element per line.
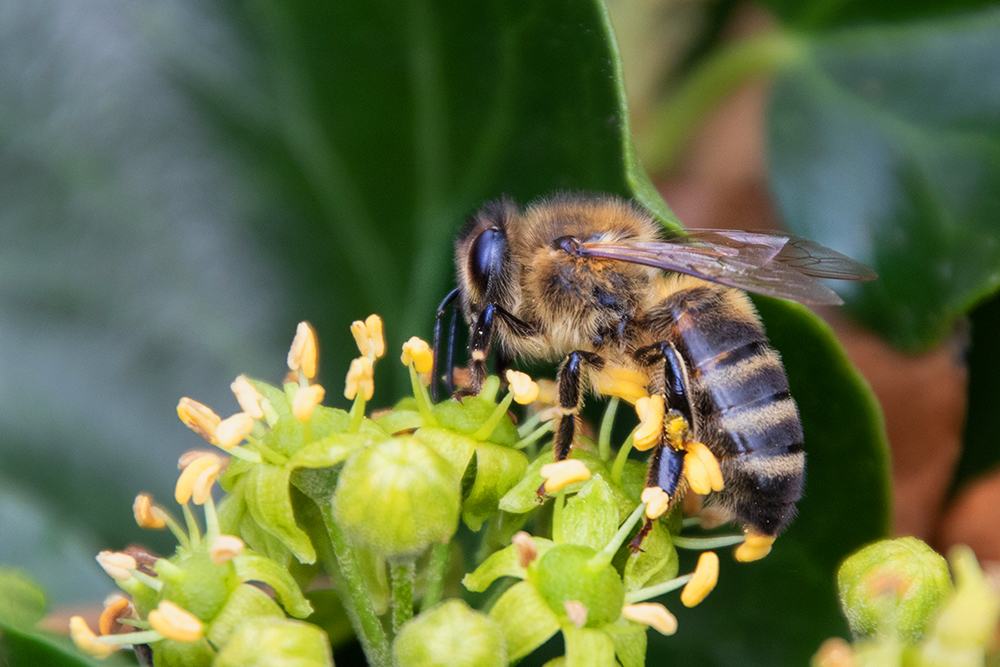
<point x="452" y="295"/>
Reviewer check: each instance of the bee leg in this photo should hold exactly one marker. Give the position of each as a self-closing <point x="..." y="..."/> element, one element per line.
<point x="570" y="397"/>
<point x="450" y="362"/>
<point x="666" y="469"/>
<point x="480" y="341"/>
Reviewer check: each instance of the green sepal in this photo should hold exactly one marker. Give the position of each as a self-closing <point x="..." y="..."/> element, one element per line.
<point x="331" y="450"/>
<point x="655" y="563"/>
<point x="246" y="601"/>
<point x="498" y="469"/>
<point x="575" y="573"/>
<point x="264" y="542"/>
<point x="630" y="641"/>
<point x="172" y="653"/>
<point x="275" y="642"/>
<point x="233" y="473"/>
<point x="455" y="448"/>
<point x="251" y="566"/>
<point x="503" y="563"/>
<point x="374" y="572"/>
<point x="269" y="503"/>
<point x="275" y="396"/>
<point x="232" y="509"/>
<point x="525" y="618"/>
<point x="523" y="497"/>
<point x="197" y="584"/>
<point x="469" y="414"/>
<point x="22" y="603"/>
<point x="399" y="420"/>
<point x="586" y="647"/>
<point x="591" y="517"/>
<point x="634" y="479"/>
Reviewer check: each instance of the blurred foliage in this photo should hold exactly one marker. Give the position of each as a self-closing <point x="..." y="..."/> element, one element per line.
<point x="182" y="182"/>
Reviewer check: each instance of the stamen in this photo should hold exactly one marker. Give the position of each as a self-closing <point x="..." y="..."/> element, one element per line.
<point x="118" y="565"/>
<point x="706" y="575"/>
<point x="524" y="388"/>
<point x="657" y="501"/>
<point x="116" y="607"/>
<point x="248" y="397"/>
<point x="304" y="353"/>
<point x="360" y="377"/>
<point x="711" y="463"/>
<point x="201" y="490"/>
<point x="361" y="337"/>
<point x="192" y="475"/>
<point x="561" y="474"/>
<point x="175" y="623"/>
<point x="231" y="431"/>
<point x="696" y="474"/>
<point x="306" y="399"/>
<point x="142" y="508"/>
<point x="198" y="417"/>
<point x="650" y="410"/>
<point x="527" y="550"/>
<point x="652" y="614"/>
<point x="225" y="548"/>
<point x="417" y="352"/>
<point x="374" y="325"/>
<point x="755" y="547"/>
<point x="621" y="382"/>
<point x="86" y="640"/>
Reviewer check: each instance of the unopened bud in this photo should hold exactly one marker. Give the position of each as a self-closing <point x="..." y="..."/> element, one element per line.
<point x="450" y="635"/>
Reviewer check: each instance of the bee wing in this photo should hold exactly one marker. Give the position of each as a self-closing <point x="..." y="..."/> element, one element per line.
<point x="777" y="265"/>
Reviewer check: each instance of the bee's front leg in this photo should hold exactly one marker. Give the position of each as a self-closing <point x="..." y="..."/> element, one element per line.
<point x="570" y="383"/>
<point x="480" y="340"/>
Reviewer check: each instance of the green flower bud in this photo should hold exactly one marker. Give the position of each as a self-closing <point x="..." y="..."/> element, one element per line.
<point x="893" y="587"/>
<point x="580" y="589"/>
<point x="396" y="497"/>
<point x="197" y="584"/>
<point x="450" y="634"/>
<point x="275" y="642"/>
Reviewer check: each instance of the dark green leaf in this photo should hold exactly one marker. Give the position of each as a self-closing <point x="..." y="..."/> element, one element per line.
<point x="813" y="14"/>
<point x="778" y="610"/>
<point x="885" y="144"/>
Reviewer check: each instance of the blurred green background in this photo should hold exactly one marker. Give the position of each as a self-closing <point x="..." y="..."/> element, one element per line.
<point x="182" y="182"/>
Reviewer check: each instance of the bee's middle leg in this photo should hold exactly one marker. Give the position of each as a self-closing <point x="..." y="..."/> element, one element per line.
<point x="570" y="385"/>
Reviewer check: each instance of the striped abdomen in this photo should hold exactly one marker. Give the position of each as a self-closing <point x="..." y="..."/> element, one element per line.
<point x="742" y="407"/>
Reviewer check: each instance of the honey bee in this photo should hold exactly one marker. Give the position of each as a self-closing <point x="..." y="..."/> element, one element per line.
<point x="590" y="282"/>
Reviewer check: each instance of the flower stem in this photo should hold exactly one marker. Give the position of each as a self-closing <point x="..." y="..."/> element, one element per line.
<point x="706" y="542"/>
<point x="357" y="413"/>
<point x="557" y="512"/>
<point x="619" y="466"/>
<point x="434" y="577"/>
<point x="708" y="85"/>
<point x="658" y="590"/>
<point x="353" y="592"/>
<point x="604" y="440"/>
<point x="211" y="521"/>
<point x="533" y="436"/>
<point x="486" y="430"/>
<point x="609" y="551"/>
<point x="192" y="526"/>
<point x="402" y="593"/>
<point x="423" y="400"/>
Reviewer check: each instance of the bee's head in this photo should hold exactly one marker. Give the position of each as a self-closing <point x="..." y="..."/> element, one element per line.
<point x="484" y="264"/>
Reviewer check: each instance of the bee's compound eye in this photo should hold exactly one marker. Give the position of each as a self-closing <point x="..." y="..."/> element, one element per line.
<point x="486" y="257"/>
<point x="569" y="244"/>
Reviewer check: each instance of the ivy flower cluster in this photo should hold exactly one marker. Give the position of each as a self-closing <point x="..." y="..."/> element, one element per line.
<point x="373" y="500"/>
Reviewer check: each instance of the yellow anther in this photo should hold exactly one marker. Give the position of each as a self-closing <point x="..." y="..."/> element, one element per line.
<point x="657" y="501"/>
<point x="707" y="459"/>
<point x="360" y="377"/>
<point x="523" y="387"/>
<point x="248" y="397"/>
<point x="755" y="547"/>
<point x="198" y="417"/>
<point x="706" y="575"/>
<point x="201" y="490"/>
<point x="620" y="381"/>
<point x="118" y="565"/>
<point x="561" y="474"/>
<point x="195" y="475"/>
<point x="305" y="401"/>
<point x="115" y="607"/>
<point x="374" y="325"/>
<point x="142" y="508"/>
<point x="650" y="410"/>
<point x="417" y="352"/>
<point x="304" y="353"/>
<point x="231" y="431"/>
<point x="527" y="550"/>
<point x="225" y="548"/>
<point x="86" y="640"/>
<point x="361" y="339"/>
<point x="696" y="474"/>
<point x="175" y="623"/>
<point x="652" y="614"/>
